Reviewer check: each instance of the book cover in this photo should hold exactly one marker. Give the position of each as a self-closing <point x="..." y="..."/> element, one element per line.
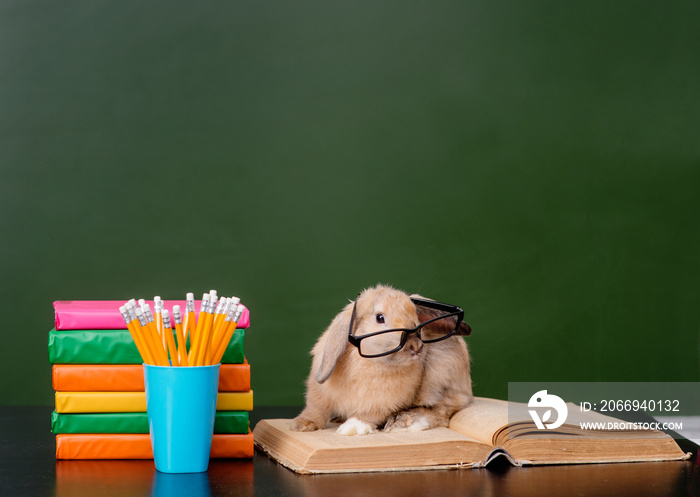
<point x="105" y="315"/>
<point x="129" y="377"/>
<point x="138" y="446"/>
<point x="135" y="422"/>
<point x="116" y="347"/>
<point x="93" y="402"/>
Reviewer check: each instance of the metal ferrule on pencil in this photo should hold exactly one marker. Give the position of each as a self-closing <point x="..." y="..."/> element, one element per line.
<point x="177" y="317"/>
<point x="166" y="319"/>
<point x="146" y="309"/>
<point x="238" y="313"/>
<point x="141" y="317"/>
<point x="125" y="314"/>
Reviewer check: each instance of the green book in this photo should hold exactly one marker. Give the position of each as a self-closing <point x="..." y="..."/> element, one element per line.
<point x="115" y="347"/>
<point x="135" y="422"/>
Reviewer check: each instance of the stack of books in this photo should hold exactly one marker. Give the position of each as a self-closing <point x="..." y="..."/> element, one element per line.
<point x="100" y="393"/>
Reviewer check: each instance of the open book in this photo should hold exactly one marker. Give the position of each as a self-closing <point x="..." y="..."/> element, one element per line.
<point x="477" y="435"/>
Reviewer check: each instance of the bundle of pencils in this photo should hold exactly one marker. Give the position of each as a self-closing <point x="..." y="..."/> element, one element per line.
<point x="208" y="335"/>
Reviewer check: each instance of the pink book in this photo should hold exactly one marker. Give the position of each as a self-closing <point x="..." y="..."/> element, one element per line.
<point x="105" y="315"/>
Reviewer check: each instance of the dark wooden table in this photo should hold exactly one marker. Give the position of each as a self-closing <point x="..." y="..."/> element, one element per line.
<point x="28" y="467"/>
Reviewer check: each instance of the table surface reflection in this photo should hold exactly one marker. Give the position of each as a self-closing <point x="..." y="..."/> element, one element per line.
<point x="28" y="467"/>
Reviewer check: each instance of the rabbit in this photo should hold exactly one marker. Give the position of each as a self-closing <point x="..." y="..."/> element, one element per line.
<point x="416" y="388"/>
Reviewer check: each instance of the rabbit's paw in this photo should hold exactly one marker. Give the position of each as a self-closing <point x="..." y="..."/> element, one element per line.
<point x="354" y="426"/>
<point x="407" y="421"/>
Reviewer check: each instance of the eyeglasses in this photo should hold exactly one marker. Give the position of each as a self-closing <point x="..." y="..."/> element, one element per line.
<point x="385" y="342"/>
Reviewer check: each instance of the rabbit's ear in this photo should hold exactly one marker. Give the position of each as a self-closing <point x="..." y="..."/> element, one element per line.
<point x="336" y="342"/>
<point x="426" y="313"/>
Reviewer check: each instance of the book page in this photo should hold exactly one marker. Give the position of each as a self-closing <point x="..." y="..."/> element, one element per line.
<point x="481" y="419"/>
<point x="326" y="451"/>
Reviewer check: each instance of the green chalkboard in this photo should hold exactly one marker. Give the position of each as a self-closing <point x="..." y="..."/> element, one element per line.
<point x="536" y="163"/>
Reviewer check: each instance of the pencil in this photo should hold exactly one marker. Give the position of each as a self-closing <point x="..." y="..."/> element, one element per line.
<point x="180" y="334"/>
<point x="205" y="340"/>
<point x="158" y="317"/>
<point x="142" y="348"/>
<point x="190" y="321"/>
<point x="142" y="333"/>
<point x="197" y="344"/>
<point x="223" y="302"/>
<point x="219" y="322"/>
<point x="159" y="353"/>
<point x="231" y="327"/>
<point x="168" y="334"/>
<point x="219" y="331"/>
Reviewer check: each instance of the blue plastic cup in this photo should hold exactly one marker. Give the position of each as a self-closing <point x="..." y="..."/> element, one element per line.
<point x="181" y="404"/>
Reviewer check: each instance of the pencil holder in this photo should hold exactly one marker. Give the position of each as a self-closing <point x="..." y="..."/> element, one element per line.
<point x="181" y="404"/>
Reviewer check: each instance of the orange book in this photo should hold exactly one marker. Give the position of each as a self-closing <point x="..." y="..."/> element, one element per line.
<point x="138" y="446"/>
<point x="129" y="378"/>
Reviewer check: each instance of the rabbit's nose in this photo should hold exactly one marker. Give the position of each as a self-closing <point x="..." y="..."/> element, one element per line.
<point x="414" y="346"/>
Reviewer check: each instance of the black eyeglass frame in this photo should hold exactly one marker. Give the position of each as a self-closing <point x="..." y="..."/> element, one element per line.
<point x="452" y="310"/>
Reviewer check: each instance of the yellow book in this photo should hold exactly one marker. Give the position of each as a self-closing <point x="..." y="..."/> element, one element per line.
<point x="76" y="402"/>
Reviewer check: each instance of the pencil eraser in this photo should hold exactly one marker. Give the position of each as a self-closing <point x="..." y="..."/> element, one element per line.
<point x="190" y="296"/>
<point x="235" y="301"/>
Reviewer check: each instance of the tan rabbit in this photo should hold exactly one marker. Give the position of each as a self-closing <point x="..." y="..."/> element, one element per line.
<point x="416" y="387"/>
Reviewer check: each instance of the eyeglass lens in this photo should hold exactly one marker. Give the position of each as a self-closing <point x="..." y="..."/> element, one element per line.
<point x="390" y="341"/>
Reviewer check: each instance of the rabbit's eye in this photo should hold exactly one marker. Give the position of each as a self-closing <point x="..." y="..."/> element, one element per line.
<point x="380" y="318"/>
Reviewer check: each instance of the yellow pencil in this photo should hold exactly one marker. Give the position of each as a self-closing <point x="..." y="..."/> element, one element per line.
<point x="168" y="334"/>
<point x="146" y="330"/>
<point x="179" y="332"/>
<point x="205" y="340"/>
<point x="142" y="348"/>
<point x="196" y="345"/>
<point x="223" y="302"/>
<point x="190" y="320"/>
<point x="218" y="325"/>
<point x="158" y="318"/>
<point x="159" y="353"/>
<point x="231" y="327"/>
<point x="219" y="330"/>
<point x="228" y="321"/>
<point x="130" y="307"/>
<point x="214" y="308"/>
